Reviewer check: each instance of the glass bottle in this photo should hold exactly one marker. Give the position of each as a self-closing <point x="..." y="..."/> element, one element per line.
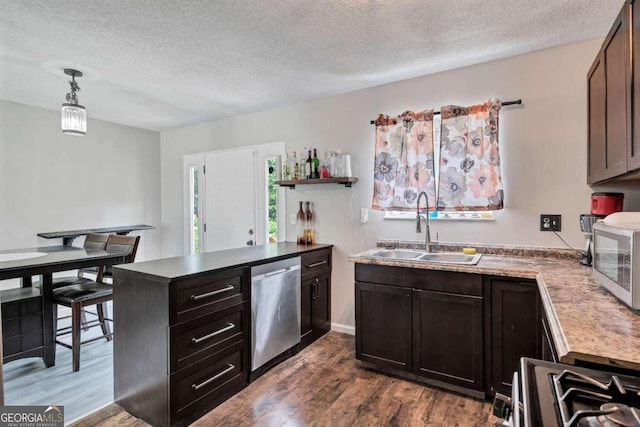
<point x="311" y="225"/>
<point x="296" y="170"/>
<point x="286" y="172"/>
<point x="301" y="222"/>
<point x="316" y="164"/>
<point x="308" y="168"/>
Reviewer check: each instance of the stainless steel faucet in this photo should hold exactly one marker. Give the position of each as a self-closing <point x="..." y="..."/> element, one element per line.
<point x="427" y="237"/>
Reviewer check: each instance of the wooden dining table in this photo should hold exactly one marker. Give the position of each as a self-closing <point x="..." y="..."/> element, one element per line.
<point x="27" y="262"/>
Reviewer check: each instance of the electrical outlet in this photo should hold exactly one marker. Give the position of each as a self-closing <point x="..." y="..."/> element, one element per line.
<point x="550" y="222"/>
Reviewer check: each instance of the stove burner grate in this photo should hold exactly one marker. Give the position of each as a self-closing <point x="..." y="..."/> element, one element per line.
<point x="613" y="400"/>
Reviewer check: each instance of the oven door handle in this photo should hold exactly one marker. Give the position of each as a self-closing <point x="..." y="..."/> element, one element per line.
<point x="517" y="408"/>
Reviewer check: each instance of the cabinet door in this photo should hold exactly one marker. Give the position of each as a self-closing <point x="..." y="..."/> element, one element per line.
<point x="321" y="304"/>
<point x="447" y="342"/>
<point x="515" y="327"/>
<point x="633" y="160"/>
<point x="597" y="147"/>
<point x="609" y="105"/>
<point x="305" y="310"/>
<point x="383" y="325"/>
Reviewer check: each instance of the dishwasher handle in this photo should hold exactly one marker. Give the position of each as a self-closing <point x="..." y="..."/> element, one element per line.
<point x="276" y="272"/>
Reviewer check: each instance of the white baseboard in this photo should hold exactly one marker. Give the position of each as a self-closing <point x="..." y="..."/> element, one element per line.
<point x="345" y="329"/>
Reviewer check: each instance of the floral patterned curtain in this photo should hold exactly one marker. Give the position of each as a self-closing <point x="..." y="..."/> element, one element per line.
<point x="470" y="159"/>
<point x="404" y="161"/>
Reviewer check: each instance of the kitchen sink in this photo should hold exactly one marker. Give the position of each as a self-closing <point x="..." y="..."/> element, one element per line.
<point x="436" y="257"/>
<point x="450" y="258"/>
<point x="395" y="253"/>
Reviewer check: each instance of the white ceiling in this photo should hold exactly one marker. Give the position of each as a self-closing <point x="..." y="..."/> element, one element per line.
<point x="163" y="64"/>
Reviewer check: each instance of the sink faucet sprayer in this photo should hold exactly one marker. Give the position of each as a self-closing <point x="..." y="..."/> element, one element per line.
<point x="427" y="237"/>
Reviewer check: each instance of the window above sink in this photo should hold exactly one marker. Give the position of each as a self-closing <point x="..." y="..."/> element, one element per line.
<point x="444" y="215"/>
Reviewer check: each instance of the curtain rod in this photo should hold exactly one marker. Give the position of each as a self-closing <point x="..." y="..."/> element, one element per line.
<point x="516" y="102"/>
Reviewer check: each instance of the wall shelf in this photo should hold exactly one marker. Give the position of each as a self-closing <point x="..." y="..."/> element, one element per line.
<point x="346" y="181"/>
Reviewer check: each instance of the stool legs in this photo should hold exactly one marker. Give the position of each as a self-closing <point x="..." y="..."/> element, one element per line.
<point x="106" y="330"/>
<point x="76" y="321"/>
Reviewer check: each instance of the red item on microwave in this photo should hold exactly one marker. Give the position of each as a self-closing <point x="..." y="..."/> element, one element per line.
<point x="606" y="203"/>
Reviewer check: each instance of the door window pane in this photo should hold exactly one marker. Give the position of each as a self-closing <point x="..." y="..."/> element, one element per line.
<point x="272" y="202"/>
<point x="193" y="211"/>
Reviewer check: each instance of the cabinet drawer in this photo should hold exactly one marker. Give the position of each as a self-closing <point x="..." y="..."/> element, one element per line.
<point x="17" y="309"/>
<point x="315" y="262"/>
<point x="211" y="376"/>
<point x="198" y="338"/>
<point x="21" y="343"/>
<point x="19" y="326"/>
<point x="207" y="294"/>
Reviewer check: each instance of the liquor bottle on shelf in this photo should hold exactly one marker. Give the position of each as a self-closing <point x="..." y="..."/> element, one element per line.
<point x="308" y="169"/>
<point x="286" y="172"/>
<point x="316" y="164"/>
<point x="301" y="226"/>
<point x="296" y="168"/>
<point x="311" y="225"/>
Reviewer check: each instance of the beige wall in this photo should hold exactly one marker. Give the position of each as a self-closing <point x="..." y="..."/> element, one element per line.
<point x="543" y="146"/>
<point x="54" y="182"/>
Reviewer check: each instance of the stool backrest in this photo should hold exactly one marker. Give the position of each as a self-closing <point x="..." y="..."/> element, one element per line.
<point x="93" y="241"/>
<point x="117" y="243"/>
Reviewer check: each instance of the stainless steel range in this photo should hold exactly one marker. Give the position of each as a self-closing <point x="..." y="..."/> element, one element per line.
<point x="547" y="394"/>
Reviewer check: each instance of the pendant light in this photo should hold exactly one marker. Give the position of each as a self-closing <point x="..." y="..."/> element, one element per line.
<point x="74" y="116"/>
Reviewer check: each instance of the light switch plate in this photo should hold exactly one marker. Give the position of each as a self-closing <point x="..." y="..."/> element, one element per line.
<point x="364" y="215"/>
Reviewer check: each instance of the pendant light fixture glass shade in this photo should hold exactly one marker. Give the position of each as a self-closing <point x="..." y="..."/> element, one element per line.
<point x="74" y="119"/>
<point x="74" y="115"/>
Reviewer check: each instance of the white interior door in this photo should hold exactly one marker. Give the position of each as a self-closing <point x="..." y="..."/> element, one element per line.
<point x="230" y="201"/>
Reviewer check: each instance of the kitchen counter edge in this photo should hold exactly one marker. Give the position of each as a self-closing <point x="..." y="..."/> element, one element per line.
<point x="167" y="269"/>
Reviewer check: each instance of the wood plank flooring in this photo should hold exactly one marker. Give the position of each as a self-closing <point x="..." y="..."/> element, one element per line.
<point x="324" y="386"/>
<point x="29" y="382"/>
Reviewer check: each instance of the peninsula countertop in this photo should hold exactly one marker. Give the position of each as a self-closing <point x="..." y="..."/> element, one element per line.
<point x="587" y="322"/>
<point x="167" y="269"/>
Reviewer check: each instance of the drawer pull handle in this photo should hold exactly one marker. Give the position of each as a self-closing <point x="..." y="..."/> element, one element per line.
<point x="213" y="334"/>
<point x="212" y="293"/>
<point x="196" y="387"/>
<point x="316" y="264"/>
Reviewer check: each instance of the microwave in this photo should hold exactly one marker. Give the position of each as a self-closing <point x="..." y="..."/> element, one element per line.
<point x="616" y="261"/>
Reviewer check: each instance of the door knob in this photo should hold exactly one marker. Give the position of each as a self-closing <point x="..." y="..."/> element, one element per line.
<point x="249" y="242"/>
<point x="251" y="232"/>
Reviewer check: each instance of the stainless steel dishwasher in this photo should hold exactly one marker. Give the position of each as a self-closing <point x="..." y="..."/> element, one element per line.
<point x="275" y="309"/>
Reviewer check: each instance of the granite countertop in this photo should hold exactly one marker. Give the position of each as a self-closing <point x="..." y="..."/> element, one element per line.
<point x="587" y="323"/>
<point x="167" y="269"/>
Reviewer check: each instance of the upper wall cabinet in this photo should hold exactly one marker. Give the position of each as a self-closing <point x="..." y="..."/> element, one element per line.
<point x="614" y="111"/>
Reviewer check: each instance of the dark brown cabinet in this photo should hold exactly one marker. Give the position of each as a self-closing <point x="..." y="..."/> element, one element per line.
<point x="315" y="307"/>
<point x="515" y="328"/>
<point x="22" y="330"/>
<point x="447" y="342"/>
<point x="421" y="322"/>
<point x="384" y="326"/>
<point x="191" y="333"/>
<point x="613" y="93"/>
<point x="458" y="330"/>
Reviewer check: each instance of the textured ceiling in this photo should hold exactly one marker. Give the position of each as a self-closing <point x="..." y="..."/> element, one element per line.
<point x="163" y="64"/>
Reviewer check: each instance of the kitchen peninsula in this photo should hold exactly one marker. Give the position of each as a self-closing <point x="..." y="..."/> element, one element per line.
<point x="183" y="327"/>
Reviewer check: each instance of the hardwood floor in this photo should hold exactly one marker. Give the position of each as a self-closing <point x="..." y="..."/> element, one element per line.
<point x="29" y="382"/>
<point x="324" y="386"/>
